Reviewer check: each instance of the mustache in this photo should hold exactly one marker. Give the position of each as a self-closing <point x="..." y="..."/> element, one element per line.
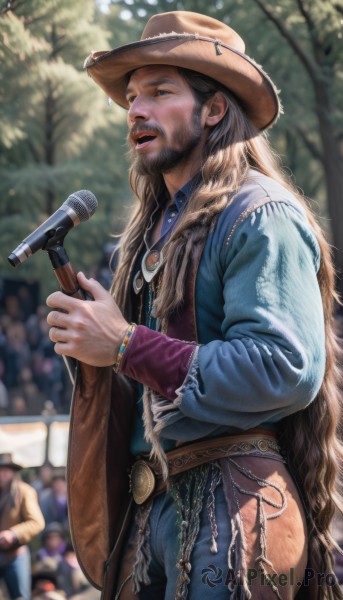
<point x="142" y="128"/>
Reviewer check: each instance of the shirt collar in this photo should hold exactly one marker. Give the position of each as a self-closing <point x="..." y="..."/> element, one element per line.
<point x="182" y="195"/>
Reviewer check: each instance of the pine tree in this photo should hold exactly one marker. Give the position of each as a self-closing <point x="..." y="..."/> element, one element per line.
<point x="299" y="43"/>
<point x="53" y="136"/>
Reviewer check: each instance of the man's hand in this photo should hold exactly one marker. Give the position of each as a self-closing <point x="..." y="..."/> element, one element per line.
<point x="7" y="539"/>
<point x="90" y="331"/>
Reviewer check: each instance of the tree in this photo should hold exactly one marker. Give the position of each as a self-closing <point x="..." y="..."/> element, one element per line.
<point x="299" y="43"/>
<point x="54" y="131"/>
<point x="312" y="29"/>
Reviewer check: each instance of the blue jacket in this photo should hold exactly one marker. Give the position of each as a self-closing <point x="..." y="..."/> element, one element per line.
<point x="261" y="344"/>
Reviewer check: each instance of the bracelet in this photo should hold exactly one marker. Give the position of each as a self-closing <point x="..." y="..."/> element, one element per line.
<point x="123" y="346"/>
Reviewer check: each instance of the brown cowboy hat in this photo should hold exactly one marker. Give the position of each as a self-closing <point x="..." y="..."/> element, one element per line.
<point x="196" y="42"/>
<point x="6" y="461"/>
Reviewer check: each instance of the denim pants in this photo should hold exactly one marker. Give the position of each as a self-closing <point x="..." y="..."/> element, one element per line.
<point x="208" y="572"/>
<point x="17" y="575"/>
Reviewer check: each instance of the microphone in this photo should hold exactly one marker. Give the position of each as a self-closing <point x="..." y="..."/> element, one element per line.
<point x="79" y="207"/>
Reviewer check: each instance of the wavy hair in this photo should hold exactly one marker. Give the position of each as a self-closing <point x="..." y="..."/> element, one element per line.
<point x="309" y="437"/>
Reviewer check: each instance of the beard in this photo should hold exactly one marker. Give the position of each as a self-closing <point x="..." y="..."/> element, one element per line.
<point x="183" y="143"/>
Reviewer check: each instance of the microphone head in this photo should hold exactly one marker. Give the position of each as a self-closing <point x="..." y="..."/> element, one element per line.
<point x="83" y="203"/>
<point x="79" y="207"/>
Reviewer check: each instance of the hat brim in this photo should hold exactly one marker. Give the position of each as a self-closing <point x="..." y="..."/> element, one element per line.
<point x="11" y="465"/>
<point x="234" y="70"/>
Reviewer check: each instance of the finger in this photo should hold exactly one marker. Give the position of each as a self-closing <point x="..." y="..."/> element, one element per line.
<point x="62" y="349"/>
<point x="59" y="319"/>
<point x="57" y="335"/>
<point x="93" y="287"/>
<point x="61" y="301"/>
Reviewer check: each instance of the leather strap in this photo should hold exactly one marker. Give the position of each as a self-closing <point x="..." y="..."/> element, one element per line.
<point x="146" y="476"/>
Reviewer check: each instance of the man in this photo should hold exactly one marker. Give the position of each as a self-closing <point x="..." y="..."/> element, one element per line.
<point x="20" y="521"/>
<point x="53" y="499"/>
<point x="216" y="319"/>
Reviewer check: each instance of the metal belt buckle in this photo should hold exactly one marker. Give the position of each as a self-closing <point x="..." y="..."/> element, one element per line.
<point x="142" y="481"/>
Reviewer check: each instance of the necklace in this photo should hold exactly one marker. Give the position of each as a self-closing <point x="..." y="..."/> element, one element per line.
<point x="152" y="258"/>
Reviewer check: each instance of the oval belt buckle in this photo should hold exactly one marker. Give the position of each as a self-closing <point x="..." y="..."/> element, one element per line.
<point x="142" y="480"/>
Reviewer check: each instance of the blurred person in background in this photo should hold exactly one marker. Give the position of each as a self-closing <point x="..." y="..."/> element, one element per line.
<point x="53" y="542"/>
<point x="41" y="479"/>
<point x="4" y="401"/>
<point x="20" y="521"/>
<point x="70" y="577"/>
<point x="53" y="500"/>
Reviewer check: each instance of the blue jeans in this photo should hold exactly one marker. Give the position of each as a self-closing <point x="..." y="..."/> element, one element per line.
<point x="274" y="532"/>
<point x="17" y="575"/>
<point x="209" y="571"/>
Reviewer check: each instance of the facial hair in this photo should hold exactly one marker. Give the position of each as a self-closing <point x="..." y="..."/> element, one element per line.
<point x="182" y="144"/>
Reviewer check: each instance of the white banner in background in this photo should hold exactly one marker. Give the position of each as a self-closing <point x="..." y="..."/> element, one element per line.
<point x="27" y="442"/>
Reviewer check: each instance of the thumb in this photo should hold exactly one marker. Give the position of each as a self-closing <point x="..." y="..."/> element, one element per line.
<point x="93" y="287"/>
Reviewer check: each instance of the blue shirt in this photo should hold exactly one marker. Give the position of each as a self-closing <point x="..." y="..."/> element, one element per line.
<point x="171" y="216"/>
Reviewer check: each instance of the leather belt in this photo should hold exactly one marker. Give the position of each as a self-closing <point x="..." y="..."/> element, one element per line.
<point x="146" y="477"/>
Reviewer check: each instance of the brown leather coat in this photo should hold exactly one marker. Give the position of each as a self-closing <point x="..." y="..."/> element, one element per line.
<point x="23" y="516"/>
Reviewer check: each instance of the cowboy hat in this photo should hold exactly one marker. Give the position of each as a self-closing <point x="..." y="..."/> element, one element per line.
<point x="6" y="461"/>
<point x="192" y="41"/>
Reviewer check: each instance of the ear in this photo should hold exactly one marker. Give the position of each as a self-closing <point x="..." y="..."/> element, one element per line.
<point x="215" y="109"/>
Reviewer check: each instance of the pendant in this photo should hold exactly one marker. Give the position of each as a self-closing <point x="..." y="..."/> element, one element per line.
<point x="138" y="282"/>
<point x="151" y="262"/>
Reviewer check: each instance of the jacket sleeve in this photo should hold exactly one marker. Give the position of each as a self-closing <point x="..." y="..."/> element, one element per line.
<point x="32" y="520"/>
<point x="270" y="359"/>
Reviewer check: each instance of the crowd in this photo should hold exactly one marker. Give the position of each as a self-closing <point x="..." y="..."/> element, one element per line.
<point x="54" y="566"/>
<point x="55" y="572"/>
<point x="32" y="377"/>
<point x="33" y="382"/>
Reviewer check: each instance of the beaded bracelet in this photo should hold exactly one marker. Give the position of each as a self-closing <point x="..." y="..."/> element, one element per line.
<point x="123" y="345"/>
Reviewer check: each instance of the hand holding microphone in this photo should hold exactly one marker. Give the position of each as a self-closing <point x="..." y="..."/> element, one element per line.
<point x="90" y="332"/>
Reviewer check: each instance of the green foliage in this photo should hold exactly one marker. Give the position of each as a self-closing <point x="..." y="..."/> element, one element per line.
<point x="58" y="134"/>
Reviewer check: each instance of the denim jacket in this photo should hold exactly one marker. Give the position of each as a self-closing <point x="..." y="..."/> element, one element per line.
<point x="260" y="352"/>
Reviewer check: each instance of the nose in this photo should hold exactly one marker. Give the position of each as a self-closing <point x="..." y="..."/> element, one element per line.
<point x="138" y="109"/>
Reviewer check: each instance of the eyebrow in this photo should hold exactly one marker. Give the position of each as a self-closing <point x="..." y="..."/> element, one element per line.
<point x="153" y="83"/>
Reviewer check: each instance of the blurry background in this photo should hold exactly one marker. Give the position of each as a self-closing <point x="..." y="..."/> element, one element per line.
<point x="59" y="134"/>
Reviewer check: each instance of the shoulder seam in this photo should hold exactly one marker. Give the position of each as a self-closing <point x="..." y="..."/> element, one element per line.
<point x="251" y="209"/>
<point x="244" y="215"/>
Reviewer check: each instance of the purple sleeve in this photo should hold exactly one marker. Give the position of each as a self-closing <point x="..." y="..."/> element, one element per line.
<point x="157" y="361"/>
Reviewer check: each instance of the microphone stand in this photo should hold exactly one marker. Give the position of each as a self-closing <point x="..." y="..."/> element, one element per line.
<point x="67" y="279"/>
<point x="64" y="272"/>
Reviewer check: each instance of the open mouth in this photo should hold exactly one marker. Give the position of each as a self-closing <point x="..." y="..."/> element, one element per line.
<point x="143" y="139"/>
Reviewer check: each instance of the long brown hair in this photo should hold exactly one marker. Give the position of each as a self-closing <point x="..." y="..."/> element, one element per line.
<point x="310" y="437"/>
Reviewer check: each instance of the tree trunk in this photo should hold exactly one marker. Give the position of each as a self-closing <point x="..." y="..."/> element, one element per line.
<point x="49" y="145"/>
<point x="333" y="169"/>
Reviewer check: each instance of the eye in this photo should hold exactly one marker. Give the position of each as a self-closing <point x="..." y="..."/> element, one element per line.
<point x="162" y="92"/>
<point x="130" y="99"/>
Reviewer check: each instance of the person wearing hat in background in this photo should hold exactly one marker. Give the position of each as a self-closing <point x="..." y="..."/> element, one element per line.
<point x="20" y="521"/>
<point x="220" y="317"/>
